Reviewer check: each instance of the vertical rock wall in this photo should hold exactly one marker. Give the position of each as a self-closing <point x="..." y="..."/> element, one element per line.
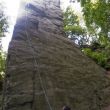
<point x="45" y="70"/>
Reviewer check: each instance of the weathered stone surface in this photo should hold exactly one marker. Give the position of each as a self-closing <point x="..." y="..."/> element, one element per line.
<point x="68" y="76"/>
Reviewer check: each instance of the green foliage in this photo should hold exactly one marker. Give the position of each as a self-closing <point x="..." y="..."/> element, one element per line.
<point x="99" y="53"/>
<point x="2" y="61"/>
<point x="2" y="67"/>
<point x="99" y="57"/>
<point x="72" y="28"/>
<point x="70" y="18"/>
<point x="3" y="30"/>
<point x="3" y="21"/>
<point x="77" y="30"/>
<point x="97" y="17"/>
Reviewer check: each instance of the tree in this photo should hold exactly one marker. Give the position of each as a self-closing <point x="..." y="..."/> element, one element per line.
<point x="97" y="19"/>
<point x="2" y="67"/>
<point x="2" y="61"/>
<point x="3" y="30"/>
<point x="72" y="28"/>
<point x="3" y="21"/>
<point x="98" y="15"/>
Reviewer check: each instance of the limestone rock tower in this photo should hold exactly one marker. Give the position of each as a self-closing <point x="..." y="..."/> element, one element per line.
<point x="46" y="71"/>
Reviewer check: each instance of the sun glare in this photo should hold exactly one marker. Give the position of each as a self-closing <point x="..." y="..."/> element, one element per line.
<point x="11" y="11"/>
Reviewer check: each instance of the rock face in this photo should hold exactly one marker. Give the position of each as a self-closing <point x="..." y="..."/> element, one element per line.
<point x="46" y="71"/>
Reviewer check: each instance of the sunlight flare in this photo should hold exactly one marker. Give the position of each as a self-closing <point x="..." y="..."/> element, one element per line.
<point x="12" y="7"/>
<point x="11" y="10"/>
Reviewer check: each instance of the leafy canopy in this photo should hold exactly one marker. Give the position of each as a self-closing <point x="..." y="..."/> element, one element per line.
<point x="3" y="30"/>
<point x="72" y="28"/>
<point x="3" y="21"/>
<point x="96" y="15"/>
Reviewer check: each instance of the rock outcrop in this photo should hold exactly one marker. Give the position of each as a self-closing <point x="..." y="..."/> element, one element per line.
<point x="46" y="71"/>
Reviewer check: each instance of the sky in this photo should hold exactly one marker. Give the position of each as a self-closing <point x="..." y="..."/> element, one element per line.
<point x="12" y="9"/>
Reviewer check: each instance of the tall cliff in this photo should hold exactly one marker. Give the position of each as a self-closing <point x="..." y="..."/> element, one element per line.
<point x="46" y="71"/>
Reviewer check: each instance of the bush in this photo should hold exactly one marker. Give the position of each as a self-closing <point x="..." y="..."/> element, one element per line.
<point x="100" y="57"/>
